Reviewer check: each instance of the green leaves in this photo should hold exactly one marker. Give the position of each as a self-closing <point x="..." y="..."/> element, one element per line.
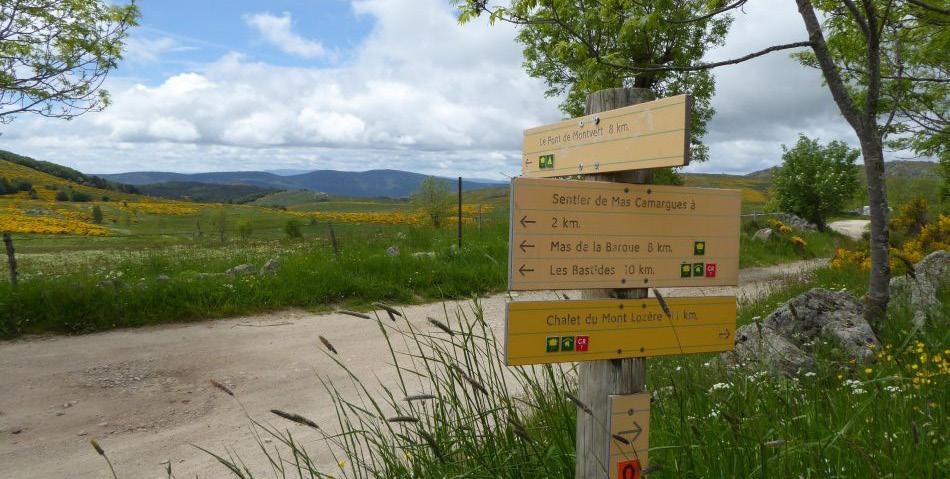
<point x="55" y="59"/>
<point x="579" y="47"/>
<point x="816" y="181"/>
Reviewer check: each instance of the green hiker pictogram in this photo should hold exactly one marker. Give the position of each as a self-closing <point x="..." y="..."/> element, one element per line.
<point x="546" y="162"/>
<point x="567" y="343"/>
<point x="699" y="270"/>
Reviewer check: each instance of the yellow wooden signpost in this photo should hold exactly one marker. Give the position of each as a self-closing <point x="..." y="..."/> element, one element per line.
<point x="615" y="239"/>
<point x="572" y="234"/>
<point x="647" y="135"/>
<point x="629" y="435"/>
<point x="540" y="332"/>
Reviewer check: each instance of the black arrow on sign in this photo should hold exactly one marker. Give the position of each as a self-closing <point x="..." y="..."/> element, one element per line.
<point x="525" y="244"/>
<point x="636" y="431"/>
<point x="522" y="270"/>
<point x="525" y="221"/>
<point x="724" y="334"/>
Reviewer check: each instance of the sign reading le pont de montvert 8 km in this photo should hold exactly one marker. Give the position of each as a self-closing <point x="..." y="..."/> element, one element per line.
<point x="654" y="134"/>
<point x="581" y="235"/>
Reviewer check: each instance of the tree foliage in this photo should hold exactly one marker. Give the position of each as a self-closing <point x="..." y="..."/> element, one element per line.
<point x="816" y="181"/>
<point x="579" y="47"/>
<point x="55" y="54"/>
<point x="913" y="79"/>
<point x="433" y="198"/>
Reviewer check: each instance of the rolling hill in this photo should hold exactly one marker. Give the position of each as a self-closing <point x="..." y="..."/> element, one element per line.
<point x="205" y="192"/>
<point x="364" y="184"/>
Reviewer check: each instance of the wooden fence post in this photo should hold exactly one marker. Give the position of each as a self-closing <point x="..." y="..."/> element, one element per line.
<point x="336" y="251"/>
<point x="479" y="216"/>
<point x="598" y="379"/>
<point x="460" y="214"/>
<point x="11" y="258"/>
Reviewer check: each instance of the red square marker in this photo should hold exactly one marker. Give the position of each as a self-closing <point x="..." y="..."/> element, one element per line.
<point x="581" y="343"/>
<point x="710" y="270"/>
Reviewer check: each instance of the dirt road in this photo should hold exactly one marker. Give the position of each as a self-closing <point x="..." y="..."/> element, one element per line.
<point x="852" y="228"/>
<point x="144" y="393"/>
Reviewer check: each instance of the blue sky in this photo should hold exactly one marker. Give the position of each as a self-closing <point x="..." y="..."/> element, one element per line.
<point x="214" y="85"/>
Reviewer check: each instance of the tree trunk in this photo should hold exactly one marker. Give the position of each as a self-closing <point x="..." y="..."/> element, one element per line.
<point x="879" y="284"/>
<point x="598" y="379"/>
<point x="865" y="126"/>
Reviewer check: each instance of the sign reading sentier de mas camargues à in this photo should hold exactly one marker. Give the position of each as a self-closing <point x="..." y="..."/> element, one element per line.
<point x="648" y="135"/>
<point x="576" y="234"/>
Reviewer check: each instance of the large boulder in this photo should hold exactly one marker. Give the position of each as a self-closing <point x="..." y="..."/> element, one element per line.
<point x="821" y="314"/>
<point x="795" y="222"/>
<point x="930" y="275"/>
<point x="759" y="346"/>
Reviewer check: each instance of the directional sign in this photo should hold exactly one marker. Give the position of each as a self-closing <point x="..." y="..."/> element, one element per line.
<point x="582" y="234"/>
<point x="629" y="435"/>
<point x="647" y="135"/>
<point x="540" y="332"/>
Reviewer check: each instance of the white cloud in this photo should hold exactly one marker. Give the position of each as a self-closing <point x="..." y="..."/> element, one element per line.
<point x="278" y="31"/>
<point x="147" y="50"/>
<point x="419" y="93"/>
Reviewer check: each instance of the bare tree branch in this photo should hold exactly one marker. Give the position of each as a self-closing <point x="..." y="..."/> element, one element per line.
<point x="737" y="4"/>
<point x="925" y="6"/>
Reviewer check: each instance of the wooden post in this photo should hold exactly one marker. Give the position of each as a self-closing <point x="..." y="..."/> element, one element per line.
<point x="479" y="217"/>
<point x="336" y="252"/>
<point x="598" y="379"/>
<point x="11" y="259"/>
<point x="460" y="213"/>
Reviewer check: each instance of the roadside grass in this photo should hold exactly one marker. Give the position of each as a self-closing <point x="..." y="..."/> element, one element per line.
<point x="454" y="414"/>
<point x="105" y="283"/>
<point x="127" y="289"/>
<point x="781" y="248"/>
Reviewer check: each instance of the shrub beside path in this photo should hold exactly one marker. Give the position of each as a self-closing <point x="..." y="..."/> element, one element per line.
<point x="144" y="393"/>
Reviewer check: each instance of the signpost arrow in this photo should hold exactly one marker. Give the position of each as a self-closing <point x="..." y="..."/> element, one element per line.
<point x="636" y="431"/>
<point x="525" y="244"/>
<point x="588" y="235"/>
<point x="522" y="270"/>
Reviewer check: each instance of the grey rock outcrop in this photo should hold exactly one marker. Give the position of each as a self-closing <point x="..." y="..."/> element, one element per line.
<point x="795" y="222"/>
<point x="392" y="251"/>
<point x="757" y="346"/>
<point x="930" y="275"/>
<point x="271" y="267"/>
<point x="242" y="270"/>
<point x="786" y="338"/>
<point x="763" y="234"/>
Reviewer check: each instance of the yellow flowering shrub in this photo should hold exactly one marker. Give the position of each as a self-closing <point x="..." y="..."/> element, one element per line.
<point x="933" y="237"/>
<point x="16" y="222"/>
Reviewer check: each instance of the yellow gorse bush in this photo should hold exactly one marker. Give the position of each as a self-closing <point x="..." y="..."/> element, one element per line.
<point x="933" y="237"/>
<point x="16" y="222"/>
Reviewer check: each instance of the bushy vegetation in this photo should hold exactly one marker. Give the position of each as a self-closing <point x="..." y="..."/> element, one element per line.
<point x="785" y="244"/>
<point x="816" y="181"/>
<point x="9" y="187"/>
<point x="913" y="234"/>
<point x="457" y="411"/>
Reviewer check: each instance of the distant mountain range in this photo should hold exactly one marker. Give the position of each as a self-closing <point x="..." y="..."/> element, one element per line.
<point x="367" y="184"/>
